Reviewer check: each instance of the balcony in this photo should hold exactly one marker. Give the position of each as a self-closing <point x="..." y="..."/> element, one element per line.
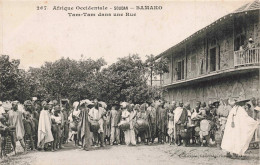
<point x="245" y="61"/>
<point x="247" y="57"/>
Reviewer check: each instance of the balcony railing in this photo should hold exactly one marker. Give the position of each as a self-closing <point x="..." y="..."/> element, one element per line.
<point x="247" y="57"/>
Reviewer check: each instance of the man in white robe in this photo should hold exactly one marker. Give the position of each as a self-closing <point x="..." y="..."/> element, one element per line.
<point x="44" y="128"/>
<point x="239" y="130"/>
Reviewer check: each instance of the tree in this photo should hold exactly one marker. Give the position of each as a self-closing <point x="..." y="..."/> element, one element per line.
<point x="126" y="80"/>
<point x="156" y="67"/>
<point x="12" y="82"/>
<point x="65" y="78"/>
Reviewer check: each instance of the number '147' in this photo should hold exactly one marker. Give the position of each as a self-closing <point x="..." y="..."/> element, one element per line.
<point x="41" y="7"/>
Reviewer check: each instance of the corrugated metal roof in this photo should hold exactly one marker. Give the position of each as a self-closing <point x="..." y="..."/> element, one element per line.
<point x="249" y="6"/>
<point x="255" y="5"/>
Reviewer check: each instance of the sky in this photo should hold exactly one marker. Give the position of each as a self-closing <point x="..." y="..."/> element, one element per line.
<point x="35" y="36"/>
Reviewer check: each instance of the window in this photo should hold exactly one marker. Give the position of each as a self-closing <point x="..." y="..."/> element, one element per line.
<point x="213" y="54"/>
<point x="201" y="66"/>
<point x="180" y="70"/>
<point x="240" y="31"/>
<point x="239" y="41"/>
<point x="193" y="63"/>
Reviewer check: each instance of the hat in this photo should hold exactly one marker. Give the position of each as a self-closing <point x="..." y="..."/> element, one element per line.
<point x="187" y="104"/>
<point x="123" y="104"/>
<point x="115" y="103"/>
<point x="136" y="107"/>
<point x="241" y="101"/>
<point x="250" y="40"/>
<point x="34" y="98"/>
<point x="15" y="102"/>
<point x="143" y="107"/>
<point x="7" y="105"/>
<point x="57" y="108"/>
<point x="44" y="103"/>
<point x="198" y="103"/>
<point x="87" y="102"/>
<point x="103" y="104"/>
<point x="75" y="104"/>
<point x="55" y="102"/>
<point x="257" y="108"/>
<point x="50" y="103"/>
<point x="215" y="102"/>
<point x="203" y="104"/>
<point x="27" y="102"/>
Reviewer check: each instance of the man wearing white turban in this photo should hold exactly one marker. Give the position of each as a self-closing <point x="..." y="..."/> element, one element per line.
<point x="239" y="130"/>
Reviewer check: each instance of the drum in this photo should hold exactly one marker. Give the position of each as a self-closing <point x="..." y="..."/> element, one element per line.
<point x="74" y="126"/>
<point x="124" y="125"/>
<point x="94" y="126"/>
<point x="205" y="125"/>
<point x="184" y="133"/>
<point x="197" y="131"/>
<point x="141" y="125"/>
<point x="218" y="136"/>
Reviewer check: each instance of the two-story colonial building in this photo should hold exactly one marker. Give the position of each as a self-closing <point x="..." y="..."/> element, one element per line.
<point x="215" y="62"/>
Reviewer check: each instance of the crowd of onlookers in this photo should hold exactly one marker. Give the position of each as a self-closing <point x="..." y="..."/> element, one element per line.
<point x="48" y="125"/>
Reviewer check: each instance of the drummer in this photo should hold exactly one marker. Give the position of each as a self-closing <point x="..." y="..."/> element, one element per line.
<point x="128" y="116"/>
<point x="74" y="118"/>
<point x="101" y="119"/>
<point x="93" y="114"/>
<point x="144" y="115"/>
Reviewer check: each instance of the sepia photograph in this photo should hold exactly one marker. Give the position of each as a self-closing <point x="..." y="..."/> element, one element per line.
<point x="94" y="82"/>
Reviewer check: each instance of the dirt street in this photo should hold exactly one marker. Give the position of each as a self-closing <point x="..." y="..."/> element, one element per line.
<point x="127" y="155"/>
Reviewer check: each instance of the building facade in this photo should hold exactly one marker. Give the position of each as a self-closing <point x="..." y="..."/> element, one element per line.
<point x="217" y="62"/>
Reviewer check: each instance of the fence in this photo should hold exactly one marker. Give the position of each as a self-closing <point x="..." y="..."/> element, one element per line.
<point x="247" y="57"/>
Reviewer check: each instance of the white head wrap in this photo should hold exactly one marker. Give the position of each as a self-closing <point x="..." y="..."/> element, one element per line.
<point x="124" y="104"/>
<point x="75" y="104"/>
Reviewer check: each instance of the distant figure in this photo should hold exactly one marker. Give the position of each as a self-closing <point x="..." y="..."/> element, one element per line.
<point x="250" y="44"/>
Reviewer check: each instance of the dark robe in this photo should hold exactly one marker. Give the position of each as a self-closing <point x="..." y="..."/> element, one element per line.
<point x="66" y="126"/>
<point x="146" y="134"/>
<point x="162" y="119"/>
<point x="85" y="130"/>
<point x="152" y="121"/>
<point x="181" y="124"/>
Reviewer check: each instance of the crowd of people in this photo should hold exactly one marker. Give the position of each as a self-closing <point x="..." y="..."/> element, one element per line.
<point x="48" y="125"/>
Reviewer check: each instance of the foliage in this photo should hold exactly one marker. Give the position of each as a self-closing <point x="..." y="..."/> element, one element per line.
<point x="125" y="80"/>
<point x="12" y="82"/>
<point x="159" y="66"/>
<point x="66" y="78"/>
